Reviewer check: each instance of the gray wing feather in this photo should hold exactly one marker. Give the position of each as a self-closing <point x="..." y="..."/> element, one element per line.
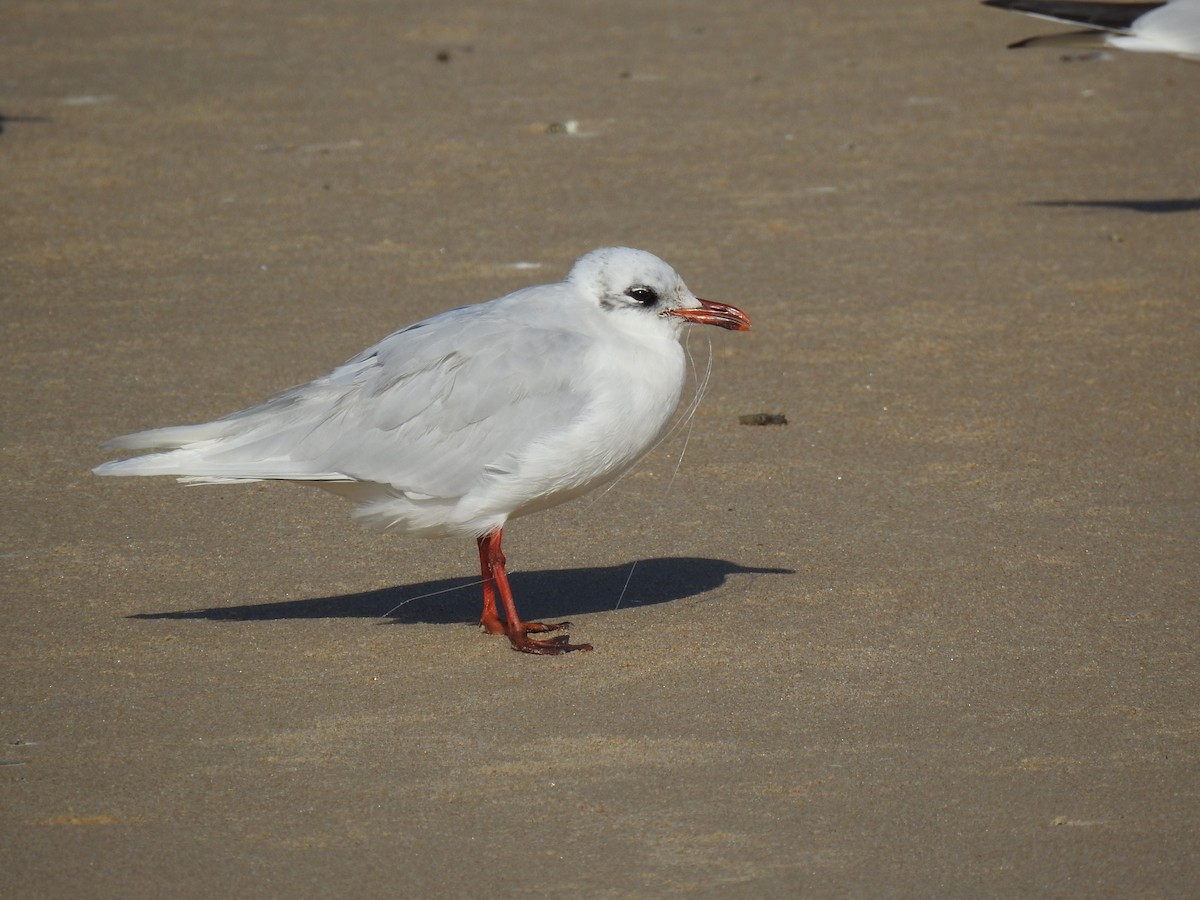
<point x="429" y="410"/>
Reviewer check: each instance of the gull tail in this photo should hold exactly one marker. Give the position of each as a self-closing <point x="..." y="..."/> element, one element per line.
<point x="170" y="438"/>
<point x="174" y="439"/>
<point x="220" y="452"/>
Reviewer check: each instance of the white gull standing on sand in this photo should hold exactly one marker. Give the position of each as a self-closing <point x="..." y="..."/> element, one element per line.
<point x="459" y="423"/>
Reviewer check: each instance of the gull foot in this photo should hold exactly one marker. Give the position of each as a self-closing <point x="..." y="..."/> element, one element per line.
<point x="552" y="647"/>
<point x="496" y="625"/>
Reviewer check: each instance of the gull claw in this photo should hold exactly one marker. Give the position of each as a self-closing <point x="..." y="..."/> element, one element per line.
<point x="554" y="646"/>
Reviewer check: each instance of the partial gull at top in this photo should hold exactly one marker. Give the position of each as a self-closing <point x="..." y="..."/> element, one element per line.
<point x="1172" y="27"/>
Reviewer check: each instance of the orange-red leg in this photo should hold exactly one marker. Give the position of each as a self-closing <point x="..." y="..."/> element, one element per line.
<point x="495" y="579"/>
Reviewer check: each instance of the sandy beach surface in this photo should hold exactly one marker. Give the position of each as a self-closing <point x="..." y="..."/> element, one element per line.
<point x="935" y="636"/>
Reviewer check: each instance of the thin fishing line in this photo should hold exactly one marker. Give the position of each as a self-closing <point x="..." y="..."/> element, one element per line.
<point x="457" y="587"/>
<point x="685" y="419"/>
<point x="688" y="418"/>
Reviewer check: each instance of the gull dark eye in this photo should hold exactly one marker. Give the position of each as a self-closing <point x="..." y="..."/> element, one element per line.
<point x="643" y="295"/>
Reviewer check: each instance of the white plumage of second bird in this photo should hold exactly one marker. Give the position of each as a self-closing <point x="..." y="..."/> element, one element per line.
<point x="459" y="423"/>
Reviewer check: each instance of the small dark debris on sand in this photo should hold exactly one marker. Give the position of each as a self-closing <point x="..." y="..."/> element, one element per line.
<point x="763" y="419"/>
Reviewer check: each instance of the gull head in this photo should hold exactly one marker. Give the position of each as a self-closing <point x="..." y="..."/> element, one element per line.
<point x="638" y="286"/>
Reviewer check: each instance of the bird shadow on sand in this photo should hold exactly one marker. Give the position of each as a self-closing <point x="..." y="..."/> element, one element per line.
<point x="1142" y="206"/>
<point x="544" y="594"/>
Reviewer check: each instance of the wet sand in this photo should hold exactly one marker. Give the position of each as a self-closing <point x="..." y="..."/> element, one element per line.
<point x="936" y="636"/>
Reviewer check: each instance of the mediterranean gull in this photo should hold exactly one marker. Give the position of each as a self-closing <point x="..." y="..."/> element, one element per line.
<point x="459" y="423"/>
